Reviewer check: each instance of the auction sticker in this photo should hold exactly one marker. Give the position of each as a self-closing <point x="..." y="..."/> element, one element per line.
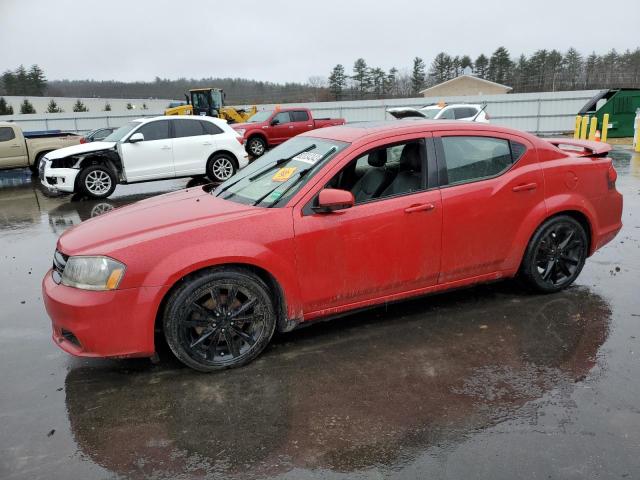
<point x="284" y="174"/>
<point x="308" y="157"/>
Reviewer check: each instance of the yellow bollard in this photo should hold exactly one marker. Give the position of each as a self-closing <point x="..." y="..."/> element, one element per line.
<point x="576" y="130"/>
<point x="636" y="137"/>
<point x="592" y="128"/>
<point x="605" y="127"/>
<point x="583" y="127"/>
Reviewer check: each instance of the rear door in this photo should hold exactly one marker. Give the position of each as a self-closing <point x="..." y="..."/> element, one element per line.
<point x="192" y="145"/>
<point x="490" y="183"/>
<point x="300" y="121"/>
<point x="151" y="158"/>
<point x="13" y="150"/>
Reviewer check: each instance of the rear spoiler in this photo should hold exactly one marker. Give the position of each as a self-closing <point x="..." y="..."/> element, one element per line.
<point x="581" y="148"/>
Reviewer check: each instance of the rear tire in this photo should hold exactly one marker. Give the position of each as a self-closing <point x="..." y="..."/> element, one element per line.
<point x="221" y="167"/>
<point x="219" y="319"/>
<point x="555" y="255"/>
<point x="256" y="146"/>
<point x="96" y="181"/>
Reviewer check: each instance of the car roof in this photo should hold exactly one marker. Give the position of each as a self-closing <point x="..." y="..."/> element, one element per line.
<point x="218" y="121"/>
<point x="363" y="131"/>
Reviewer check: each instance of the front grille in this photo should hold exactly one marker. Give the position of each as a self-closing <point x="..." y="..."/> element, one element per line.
<point x="59" y="262"/>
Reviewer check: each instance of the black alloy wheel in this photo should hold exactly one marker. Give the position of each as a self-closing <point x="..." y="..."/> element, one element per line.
<point x="220" y="319"/>
<point x="556" y="254"/>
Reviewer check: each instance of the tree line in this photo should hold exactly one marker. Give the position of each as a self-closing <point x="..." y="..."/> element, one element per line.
<point x="544" y="70"/>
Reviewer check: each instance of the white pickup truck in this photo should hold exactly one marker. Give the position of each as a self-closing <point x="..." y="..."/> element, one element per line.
<point x="147" y="149"/>
<point x="18" y="149"/>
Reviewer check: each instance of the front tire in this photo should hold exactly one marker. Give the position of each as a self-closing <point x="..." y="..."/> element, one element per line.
<point x="96" y="181"/>
<point x="256" y="146"/>
<point x="555" y="255"/>
<point x="219" y="319"/>
<point x="221" y="167"/>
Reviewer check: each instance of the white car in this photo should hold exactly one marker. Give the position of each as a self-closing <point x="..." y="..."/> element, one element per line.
<point x="458" y="111"/>
<point x="147" y="149"/>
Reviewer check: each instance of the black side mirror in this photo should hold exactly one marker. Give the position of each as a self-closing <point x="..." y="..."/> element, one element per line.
<point x="275" y="122"/>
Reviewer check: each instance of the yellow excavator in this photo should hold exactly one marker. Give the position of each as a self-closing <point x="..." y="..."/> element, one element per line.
<point x="210" y="102"/>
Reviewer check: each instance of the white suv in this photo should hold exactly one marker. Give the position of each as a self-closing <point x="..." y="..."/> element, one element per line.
<point x="147" y="149"/>
<point x="457" y="111"/>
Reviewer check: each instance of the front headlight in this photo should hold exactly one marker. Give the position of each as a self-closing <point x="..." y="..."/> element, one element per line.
<point x="93" y="273"/>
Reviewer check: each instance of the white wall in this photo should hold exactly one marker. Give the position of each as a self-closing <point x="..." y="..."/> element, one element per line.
<point x="95" y="105"/>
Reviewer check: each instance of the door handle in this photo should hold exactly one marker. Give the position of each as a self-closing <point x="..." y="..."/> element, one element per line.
<point x="290" y="126"/>
<point x="421" y="207"/>
<point x="15" y="146"/>
<point x="525" y="187"/>
<point x="165" y="147"/>
<point x="206" y="143"/>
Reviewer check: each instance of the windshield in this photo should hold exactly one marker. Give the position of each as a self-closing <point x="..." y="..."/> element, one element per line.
<point x="276" y="176"/>
<point x="430" y="112"/>
<point x="120" y="133"/>
<point x="260" y="116"/>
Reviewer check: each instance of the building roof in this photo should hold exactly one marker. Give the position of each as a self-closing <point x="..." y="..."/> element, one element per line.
<point x="477" y="79"/>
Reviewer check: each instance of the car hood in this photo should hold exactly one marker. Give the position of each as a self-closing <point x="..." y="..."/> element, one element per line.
<point x="237" y="126"/>
<point x="151" y="219"/>
<point x="80" y="149"/>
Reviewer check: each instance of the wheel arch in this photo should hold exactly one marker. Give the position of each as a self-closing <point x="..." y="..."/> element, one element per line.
<point x="283" y="323"/>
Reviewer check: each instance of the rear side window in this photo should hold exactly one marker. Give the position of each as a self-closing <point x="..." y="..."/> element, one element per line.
<point x="6" y="134"/>
<point x="468" y="159"/>
<point x="155" y="130"/>
<point x="188" y="128"/>
<point x="465" y="112"/>
<point x="299" y="116"/>
<point x="210" y="128"/>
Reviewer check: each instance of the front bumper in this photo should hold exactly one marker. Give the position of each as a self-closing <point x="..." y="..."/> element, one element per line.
<point x="117" y="323"/>
<point x="60" y="179"/>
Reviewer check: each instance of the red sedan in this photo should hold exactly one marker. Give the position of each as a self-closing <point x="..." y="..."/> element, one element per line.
<point x="331" y="221"/>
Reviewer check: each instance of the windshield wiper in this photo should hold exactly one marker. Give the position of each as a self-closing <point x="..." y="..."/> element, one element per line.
<point x="268" y="169"/>
<point x="281" y="161"/>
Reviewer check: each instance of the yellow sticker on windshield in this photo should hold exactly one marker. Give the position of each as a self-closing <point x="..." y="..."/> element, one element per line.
<point x="284" y="174"/>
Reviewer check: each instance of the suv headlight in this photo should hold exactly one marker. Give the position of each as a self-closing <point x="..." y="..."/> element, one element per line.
<point x="93" y="273"/>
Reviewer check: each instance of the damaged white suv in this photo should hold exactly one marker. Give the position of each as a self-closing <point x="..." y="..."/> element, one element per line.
<point x="147" y="149"/>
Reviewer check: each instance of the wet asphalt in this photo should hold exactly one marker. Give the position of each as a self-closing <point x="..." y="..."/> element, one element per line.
<point x="490" y="382"/>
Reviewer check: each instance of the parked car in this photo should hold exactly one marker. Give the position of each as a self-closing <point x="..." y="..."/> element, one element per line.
<point x="457" y="111"/>
<point x="97" y="135"/>
<point x="269" y="128"/>
<point x="147" y="149"/>
<point x="331" y="221"/>
<point x="23" y="149"/>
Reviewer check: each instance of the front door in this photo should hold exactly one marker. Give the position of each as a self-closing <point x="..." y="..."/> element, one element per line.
<point x="490" y="183"/>
<point x="150" y="158"/>
<point x="388" y="243"/>
<point x="281" y="128"/>
<point x="13" y="152"/>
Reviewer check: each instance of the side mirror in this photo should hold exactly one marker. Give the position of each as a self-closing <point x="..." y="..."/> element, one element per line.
<point x="332" y="199"/>
<point x="136" y="137"/>
<point x="275" y="122"/>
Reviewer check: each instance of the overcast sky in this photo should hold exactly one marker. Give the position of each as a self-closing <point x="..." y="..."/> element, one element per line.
<point x="290" y="40"/>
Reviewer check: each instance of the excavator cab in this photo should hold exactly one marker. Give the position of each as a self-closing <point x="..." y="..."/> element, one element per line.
<point x="207" y="101"/>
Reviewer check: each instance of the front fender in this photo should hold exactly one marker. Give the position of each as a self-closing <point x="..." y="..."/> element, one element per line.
<point x="190" y="259"/>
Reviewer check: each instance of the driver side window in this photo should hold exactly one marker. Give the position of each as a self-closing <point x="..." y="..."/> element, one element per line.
<point x="155" y="130"/>
<point x="282" y="117"/>
<point x="384" y="172"/>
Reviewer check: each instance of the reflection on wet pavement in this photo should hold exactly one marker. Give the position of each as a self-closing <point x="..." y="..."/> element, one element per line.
<point x="489" y="382"/>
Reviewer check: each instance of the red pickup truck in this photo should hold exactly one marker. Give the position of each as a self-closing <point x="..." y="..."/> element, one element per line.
<point x="268" y="128"/>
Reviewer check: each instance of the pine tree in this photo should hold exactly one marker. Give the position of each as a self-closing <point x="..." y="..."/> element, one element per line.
<point x="481" y="66"/>
<point x="21" y="81"/>
<point x="500" y="66"/>
<point x="4" y="108"/>
<point x="337" y="81"/>
<point x="418" y="76"/>
<point x="53" y="107"/>
<point x="79" y="107"/>
<point x="362" y="77"/>
<point x="391" y="82"/>
<point x="9" y="82"/>
<point x="107" y="107"/>
<point x="573" y="68"/>
<point x="26" y="107"/>
<point x="465" y="62"/>
<point x="440" y="70"/>
<point x="36" y="81"/>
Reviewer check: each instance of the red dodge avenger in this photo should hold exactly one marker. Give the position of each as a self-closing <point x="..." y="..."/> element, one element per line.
<point x="335" y="220"/>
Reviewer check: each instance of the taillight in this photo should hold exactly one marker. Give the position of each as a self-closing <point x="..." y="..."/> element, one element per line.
<point x="83" y="140"/>
<point x="487" y="116"/>
<point x="612" y="176"/>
